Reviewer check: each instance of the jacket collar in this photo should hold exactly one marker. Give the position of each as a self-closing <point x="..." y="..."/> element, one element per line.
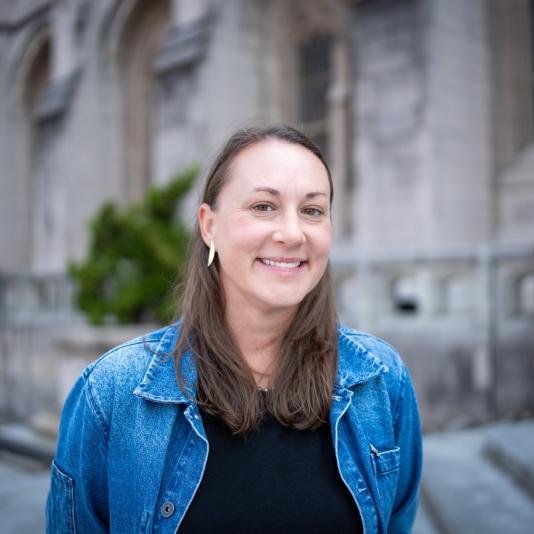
<point x="160" y="383"/>
<point x="356" y="365"/>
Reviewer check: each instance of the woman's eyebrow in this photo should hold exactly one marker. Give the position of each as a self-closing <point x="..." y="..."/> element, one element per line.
<point x="269" y="190"/>
<point x="316" y="194"/>
<point x="275" y="192"/>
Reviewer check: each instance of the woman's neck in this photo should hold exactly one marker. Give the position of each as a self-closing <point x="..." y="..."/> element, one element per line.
<point x="258" y="336"/>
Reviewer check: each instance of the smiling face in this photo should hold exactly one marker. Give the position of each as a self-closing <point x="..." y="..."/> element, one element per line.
<point x="271" y="226"/>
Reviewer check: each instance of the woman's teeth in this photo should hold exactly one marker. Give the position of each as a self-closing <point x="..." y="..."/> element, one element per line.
<point x="283" y="264"/>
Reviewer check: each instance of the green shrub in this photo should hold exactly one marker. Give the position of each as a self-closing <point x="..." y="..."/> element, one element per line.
<point x="135" y="255"/>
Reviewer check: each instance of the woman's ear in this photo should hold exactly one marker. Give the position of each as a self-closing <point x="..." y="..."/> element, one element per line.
<point x="206" y="223"/>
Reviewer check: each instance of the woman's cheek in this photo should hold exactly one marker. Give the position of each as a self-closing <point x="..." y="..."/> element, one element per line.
<point x="324" y="241"/>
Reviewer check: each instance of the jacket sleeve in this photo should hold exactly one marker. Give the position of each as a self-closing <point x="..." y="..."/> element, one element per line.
<point x="78" y="496"/>
<point x="408" y="436"/>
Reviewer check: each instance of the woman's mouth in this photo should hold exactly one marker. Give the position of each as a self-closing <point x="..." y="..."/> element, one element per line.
<point x="287" y="264"/>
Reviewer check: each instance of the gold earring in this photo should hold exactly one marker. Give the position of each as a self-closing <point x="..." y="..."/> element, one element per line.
<point x="211" y="254"/>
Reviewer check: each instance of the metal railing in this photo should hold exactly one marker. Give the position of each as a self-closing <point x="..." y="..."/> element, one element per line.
<point x="34" y="309"/>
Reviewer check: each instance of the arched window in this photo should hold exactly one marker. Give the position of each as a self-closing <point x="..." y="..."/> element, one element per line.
<point x="313" y="40"/>
<point x="38" y="77"/>
<point x="40" y="222"/>
<point x="511" y="35"/>
<point x="314" y="82"/>
<point x="142" y="36"/>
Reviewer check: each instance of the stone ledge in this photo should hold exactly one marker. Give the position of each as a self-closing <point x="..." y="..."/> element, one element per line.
<point x="22" y="440"/>
<point x="57" y="97"/>
<point x="185" y="45"/>
<point x="93" y="341"/>
<point x="462" y="488"/>
<point x="511" y="450"/>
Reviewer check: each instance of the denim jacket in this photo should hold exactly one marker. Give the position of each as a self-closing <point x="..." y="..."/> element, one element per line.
<point x="132" y="449"/>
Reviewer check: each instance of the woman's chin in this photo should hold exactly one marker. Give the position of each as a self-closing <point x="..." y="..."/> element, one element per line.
<point x="281" y="303"/>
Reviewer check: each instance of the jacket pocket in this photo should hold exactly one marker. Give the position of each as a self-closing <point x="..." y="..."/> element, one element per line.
<point x="60" y="503"/>
<point x="386" y="468"/>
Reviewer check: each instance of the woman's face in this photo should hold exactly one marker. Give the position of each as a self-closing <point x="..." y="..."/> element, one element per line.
<point x="271" y="226"/>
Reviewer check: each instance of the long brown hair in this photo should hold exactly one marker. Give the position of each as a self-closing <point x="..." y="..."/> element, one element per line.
<point x="226" y="388"/>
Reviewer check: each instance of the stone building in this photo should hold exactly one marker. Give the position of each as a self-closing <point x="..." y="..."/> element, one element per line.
<point x="425" y="109"/>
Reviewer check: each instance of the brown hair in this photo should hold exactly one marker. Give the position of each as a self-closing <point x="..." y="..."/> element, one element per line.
<point x="226" y="388"/>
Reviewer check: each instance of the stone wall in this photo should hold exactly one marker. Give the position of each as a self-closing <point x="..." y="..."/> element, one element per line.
<point x="432" y="156"/>
<point x="390" y="114"/>
<point x="93" y="131"/>
<point x="460" y="318"/>
<point x="459" y="121"/>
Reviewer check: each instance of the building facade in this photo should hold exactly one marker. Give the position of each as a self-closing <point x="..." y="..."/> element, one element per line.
<point x="425" y="109"/>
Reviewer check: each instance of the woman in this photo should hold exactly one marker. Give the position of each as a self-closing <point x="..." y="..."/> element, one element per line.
<point x="269" y="417"/>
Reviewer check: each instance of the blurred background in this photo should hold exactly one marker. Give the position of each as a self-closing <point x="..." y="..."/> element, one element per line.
<point x="425" y="111"/>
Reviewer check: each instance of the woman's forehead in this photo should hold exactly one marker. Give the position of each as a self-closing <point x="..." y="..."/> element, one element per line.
<point x="278" y="166"/>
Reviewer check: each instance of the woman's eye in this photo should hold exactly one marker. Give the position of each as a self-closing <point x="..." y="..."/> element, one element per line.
<point x="312" y="212"/>
<point x="265" y="208"/>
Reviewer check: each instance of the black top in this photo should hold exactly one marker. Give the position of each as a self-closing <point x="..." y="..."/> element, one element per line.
<point x="275" y="479"/>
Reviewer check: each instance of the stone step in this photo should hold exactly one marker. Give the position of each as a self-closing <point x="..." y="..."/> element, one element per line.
<point x="22" y="497"/>
<point x="511" y="447"/>
<point x="467" y="493"/>
<point x="423" y="521"/>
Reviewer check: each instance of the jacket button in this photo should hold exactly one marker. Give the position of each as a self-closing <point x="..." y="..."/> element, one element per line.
<point x="167" y="509"/>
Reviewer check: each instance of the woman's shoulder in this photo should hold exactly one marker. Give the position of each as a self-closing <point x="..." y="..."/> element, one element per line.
<point x="111" y="385"/>
<point x="115" y="375"/>
<point x="364" y="356"/>
<point x="131" y="357"/>
<point x="371" y="346"/>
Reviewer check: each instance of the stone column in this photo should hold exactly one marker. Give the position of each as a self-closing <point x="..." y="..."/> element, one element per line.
<point x="49" y="159"/>
<point x="338" y="125"/>
<point x="63" y="46"/>
<point x="185" y="11"/>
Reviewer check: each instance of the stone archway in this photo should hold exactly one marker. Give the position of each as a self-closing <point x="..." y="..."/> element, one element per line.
<point x="143" y="29"/>
<point x="31" y="73"/>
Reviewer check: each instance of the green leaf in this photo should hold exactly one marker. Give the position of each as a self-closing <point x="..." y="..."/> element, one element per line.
<point x="133" y="257"/>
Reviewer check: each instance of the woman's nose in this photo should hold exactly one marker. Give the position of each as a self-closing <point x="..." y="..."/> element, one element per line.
<point x="290" y="230"/>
